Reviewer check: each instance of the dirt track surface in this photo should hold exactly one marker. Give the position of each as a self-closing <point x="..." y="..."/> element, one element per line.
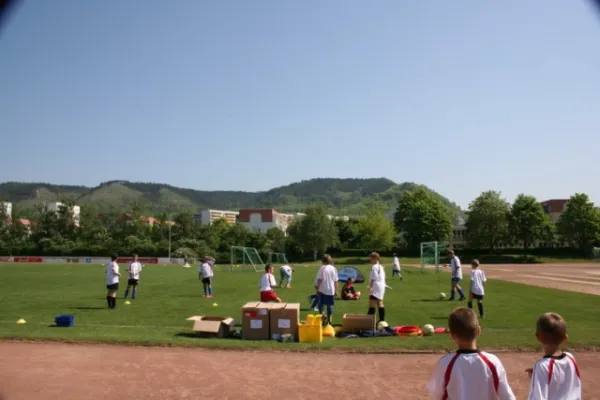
<point x="83" y="372"/>
<point x="583" y="278"/>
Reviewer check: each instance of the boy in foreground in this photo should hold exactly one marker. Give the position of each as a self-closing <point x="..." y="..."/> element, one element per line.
<point x="477" y="292"/>
<point x="556" y="375"/>
<point x="468" y="373"/>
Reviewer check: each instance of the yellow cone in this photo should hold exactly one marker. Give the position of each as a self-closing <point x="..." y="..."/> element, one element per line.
<point x="329" y="331"/>
<point x="21" y="321"/>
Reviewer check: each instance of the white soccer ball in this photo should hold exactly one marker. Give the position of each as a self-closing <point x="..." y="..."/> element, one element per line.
<point x="428" y="330"/>
<point x="442" y="296"/>
<point x="382" y="325"/>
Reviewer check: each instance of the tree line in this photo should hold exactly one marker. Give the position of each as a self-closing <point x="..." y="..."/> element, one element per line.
<point x="491" y="222"/>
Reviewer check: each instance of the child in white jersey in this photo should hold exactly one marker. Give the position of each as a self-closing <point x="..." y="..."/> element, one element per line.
<point x="556" y="375"/>
<point x="267" y="283"/>
<point x="134" y="269"/>
<point x="469" y="373"/>
<point x="477" y="292"/>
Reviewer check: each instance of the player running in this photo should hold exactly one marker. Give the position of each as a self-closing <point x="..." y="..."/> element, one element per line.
<point x="396" y="269"/>
<point x="134" y="269"/>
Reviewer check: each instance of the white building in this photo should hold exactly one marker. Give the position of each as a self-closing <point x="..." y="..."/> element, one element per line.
<point x="7" y="208"/>
<point x="55" y="207"/>
<point x="261" y="220"/>
<point x="207" y="217"/>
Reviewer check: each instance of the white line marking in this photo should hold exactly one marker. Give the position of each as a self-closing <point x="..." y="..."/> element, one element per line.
<point x="561" y="280"/>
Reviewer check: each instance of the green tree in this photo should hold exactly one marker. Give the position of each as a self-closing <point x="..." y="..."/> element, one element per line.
<point x="376" y="230"/>
<point x="422" y="217"/>
<point x="347" y="232"/>
<point x="314" y="232"/>
<point x="276" y="239"/>
<point x="528" y="224"/>
<point x="579" y="224"/>
<point x="487" y="220"/>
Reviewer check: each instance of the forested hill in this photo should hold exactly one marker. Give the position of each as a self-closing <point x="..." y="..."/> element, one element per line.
<point x="349" y="196"/>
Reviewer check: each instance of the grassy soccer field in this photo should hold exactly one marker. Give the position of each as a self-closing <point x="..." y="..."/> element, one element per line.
<point x="170" y="294"/>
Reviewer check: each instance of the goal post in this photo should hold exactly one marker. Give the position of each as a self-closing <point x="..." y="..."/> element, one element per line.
<point x="278" y="258"/>
<point x="431" y="254"/>
<point x="246" y="258"/>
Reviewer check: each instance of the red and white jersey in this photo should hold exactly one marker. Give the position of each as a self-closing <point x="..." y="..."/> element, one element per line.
<point x="555" y="378"/>
<point x="470" y="375"/>
<point x="267" y="281"/>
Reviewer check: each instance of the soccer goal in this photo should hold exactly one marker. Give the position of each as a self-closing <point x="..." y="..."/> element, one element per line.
<point x="278" y="258"/>
<point x="430" y="255"/>
<point x="246" y="258"/>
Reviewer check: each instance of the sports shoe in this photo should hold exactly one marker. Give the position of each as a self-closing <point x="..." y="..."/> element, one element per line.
<point x="462" y="298"/>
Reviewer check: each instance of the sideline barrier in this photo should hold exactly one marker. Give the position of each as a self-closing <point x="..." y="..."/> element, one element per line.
<point x="89" y="260"/>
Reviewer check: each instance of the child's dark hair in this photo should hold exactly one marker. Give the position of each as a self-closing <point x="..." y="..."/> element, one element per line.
<point x="268" y="267"/>
<point x="114" y="257"/>
<point x="551" y="328"/>
<point x="463" y="323"/>
<point x="326" y="259"/>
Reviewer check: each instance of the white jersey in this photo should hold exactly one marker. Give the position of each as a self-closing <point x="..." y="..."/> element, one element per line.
<point x="455" y="267"/>
<point x="134" y="269"/>
<point x="478" y="280"/>
<point x="470" y="374"/>
<point x="396" y="264"/>
<point x="205" y="270"/>
<point x="378" y="278"/>
<point x="112" y="269"/>
<point x="329" y="278"/>
<point x="267" y="281"/>
<point x="555" y="378"/>
<point x="286" y="269"/>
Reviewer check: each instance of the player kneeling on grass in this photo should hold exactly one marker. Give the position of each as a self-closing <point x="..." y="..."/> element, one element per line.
<point x="468" y="373"/>
<point x="267" y="282"/>
<point x="556" y="375"/>
<point x="348" y="292"/>
<point x="205" y="272"/>
<point x="478" y="280"/>
<point x="134" y="269"/>
<point x="112" y="282"/>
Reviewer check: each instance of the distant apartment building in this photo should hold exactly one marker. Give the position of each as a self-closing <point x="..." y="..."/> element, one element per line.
<point x="261" y="219"/>
<point x="207" y="217"/>
<point x="7" y="207"/>
<point x="55" y="207"/>
<point x="554" y="208"/>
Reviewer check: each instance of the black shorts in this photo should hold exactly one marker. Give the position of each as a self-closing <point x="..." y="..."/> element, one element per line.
<point x="477" y="296"/>
<point x="114" y="287"/>
<point x="205" y="280"/>
<point x="133" y="282"/>
<point x="371" y="297"/>
<point x="326" y="300"/>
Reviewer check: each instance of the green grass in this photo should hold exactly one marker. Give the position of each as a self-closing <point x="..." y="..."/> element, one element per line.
<point x="168" y="295"/>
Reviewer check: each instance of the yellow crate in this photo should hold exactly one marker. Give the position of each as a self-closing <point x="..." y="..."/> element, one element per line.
<point x="310" y="333"/>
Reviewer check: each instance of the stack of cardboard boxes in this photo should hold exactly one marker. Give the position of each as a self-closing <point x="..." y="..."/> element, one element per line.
<point x="264" y="321"/>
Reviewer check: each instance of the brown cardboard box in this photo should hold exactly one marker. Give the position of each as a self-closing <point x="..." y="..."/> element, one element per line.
<point x="354" y="323"/>
<point x="255" y="321"/>
<point x="285" y="318"/>
<point x="212" y="326"/>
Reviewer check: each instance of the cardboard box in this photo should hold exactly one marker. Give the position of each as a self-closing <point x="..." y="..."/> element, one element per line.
<point x="212" y="326"/>
<point x="285" y="318"/>
<point x="255" y="321"/>
<point x="354" y="323"/>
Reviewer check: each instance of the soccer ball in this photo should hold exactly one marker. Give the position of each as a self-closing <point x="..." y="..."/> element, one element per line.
<point x="382" y="325"/>
<point x="428" y="330"/>
<point x="442" y="296"/>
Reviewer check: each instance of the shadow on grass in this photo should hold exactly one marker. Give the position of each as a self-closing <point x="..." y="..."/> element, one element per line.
<point x="87" y="308"/>
<point x="195" y="335"/>
<point x="427" y="300"/>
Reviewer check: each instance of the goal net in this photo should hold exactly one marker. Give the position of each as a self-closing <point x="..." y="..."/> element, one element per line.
<point x="246" y="258"/>
<point x="430" y="255"/>
<point x="278" y="258"/>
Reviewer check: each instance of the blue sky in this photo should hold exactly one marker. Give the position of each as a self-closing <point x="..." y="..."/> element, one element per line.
<point x="460" y="96"/>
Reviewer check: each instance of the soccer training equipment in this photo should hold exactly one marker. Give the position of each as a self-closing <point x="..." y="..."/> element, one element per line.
<point x="430" y="255"/>
<point x="246" y="258"/>
<point x="382" y="325"/>
<point x="428" y="330"/>
<point x="442" y="296"/>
